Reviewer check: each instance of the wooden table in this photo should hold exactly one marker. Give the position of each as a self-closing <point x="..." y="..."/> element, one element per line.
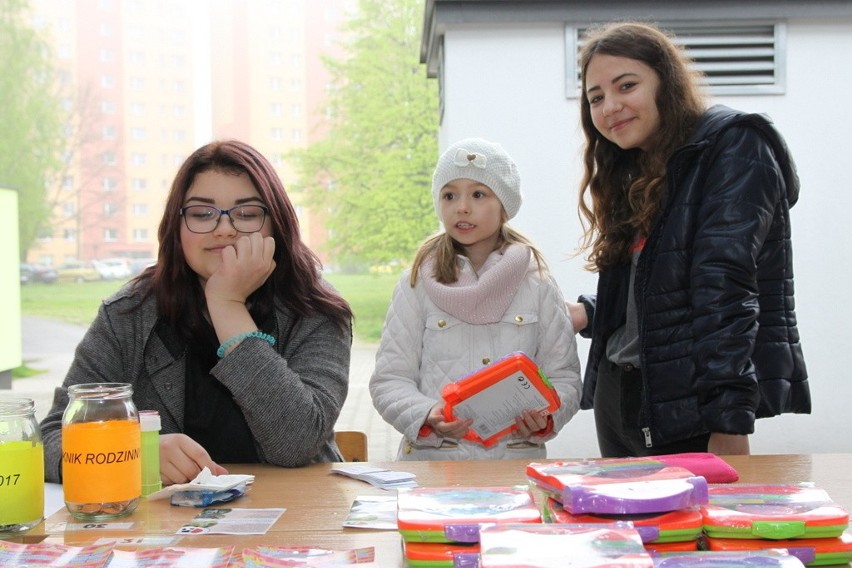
<point x="317" y="501"/>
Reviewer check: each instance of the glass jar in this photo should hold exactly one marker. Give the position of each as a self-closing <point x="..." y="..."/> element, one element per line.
<point x="150" y="424"/>
<point x="21" y="467"/>
<point x="101" y="451"/>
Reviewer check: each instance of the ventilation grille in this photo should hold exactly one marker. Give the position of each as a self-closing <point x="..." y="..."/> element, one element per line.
<point x="735" y="59"/>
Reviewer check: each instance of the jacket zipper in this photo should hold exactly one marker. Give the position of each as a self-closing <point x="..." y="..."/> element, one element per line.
<point x="647" y="432"/>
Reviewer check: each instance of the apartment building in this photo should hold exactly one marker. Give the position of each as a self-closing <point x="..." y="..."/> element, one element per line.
<point x="148" y="81"/>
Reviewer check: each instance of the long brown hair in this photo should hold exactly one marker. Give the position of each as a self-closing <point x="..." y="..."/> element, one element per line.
<point x="445" y="248"/>
<point x="627" y="187"/>
<point x="296" y="281"/>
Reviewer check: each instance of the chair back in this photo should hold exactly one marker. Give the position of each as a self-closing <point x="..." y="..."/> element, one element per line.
<point x="352" y="445"/>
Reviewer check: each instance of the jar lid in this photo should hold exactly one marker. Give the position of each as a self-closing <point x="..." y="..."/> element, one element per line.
<point x="149" y="420"/>
<point x="17" y="407"/>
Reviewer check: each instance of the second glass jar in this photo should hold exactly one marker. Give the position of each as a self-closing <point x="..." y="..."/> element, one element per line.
<point x="101" y="451"/>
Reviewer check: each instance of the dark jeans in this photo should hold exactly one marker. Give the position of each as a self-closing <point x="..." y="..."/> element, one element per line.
<point x="618" y="399"/>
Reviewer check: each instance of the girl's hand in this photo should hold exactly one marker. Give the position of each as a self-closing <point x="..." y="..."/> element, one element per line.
<point x="530" y="422"/>
<point x="182" y="459"/>
<point x="455" y="429"/>
<point x="244" y="268"/>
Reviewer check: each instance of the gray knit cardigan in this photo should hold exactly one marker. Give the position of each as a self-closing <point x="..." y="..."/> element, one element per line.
<point x="290" y="394"/>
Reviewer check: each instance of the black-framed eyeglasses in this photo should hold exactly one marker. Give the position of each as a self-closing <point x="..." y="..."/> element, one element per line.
<point x="205" y="218"/>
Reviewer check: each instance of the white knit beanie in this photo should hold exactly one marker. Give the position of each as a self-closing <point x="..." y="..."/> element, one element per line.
<point x="482" y="161"/>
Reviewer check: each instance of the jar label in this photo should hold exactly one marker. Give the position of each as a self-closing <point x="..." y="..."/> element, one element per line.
<point x="21" y="482"/>
<point x="101" y="461"/>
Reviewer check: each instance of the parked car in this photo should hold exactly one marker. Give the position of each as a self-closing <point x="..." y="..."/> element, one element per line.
<point x="31" y="273"/>
<point x="113" y="268"/>
<point x="78" y="272"/>
<point x="137" y="265"/>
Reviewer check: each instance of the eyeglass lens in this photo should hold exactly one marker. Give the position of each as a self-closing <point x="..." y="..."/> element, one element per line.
<point x="205" y="218"/>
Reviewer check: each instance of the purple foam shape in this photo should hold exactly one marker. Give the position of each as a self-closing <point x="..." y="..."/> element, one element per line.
<point x="588" y="499"/>
<point x="465" y="560"/>
<point x="648" y="533"/>
<point x="462" y="532"/>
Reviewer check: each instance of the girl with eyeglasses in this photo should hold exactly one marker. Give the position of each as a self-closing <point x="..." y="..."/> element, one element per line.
<point x="232" y="335"/>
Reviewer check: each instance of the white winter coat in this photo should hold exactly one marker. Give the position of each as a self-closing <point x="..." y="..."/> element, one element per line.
<point x="423" y="348"/>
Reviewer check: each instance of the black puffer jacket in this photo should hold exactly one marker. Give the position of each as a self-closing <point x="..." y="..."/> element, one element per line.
<point x="714" y="288"/>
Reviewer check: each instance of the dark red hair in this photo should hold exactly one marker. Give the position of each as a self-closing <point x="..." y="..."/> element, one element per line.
<point x="296" y="281"/>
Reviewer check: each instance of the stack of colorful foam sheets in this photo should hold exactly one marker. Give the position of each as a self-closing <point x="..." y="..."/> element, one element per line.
<point x="437" y="524"/>
<point x="800" y="518"/>
<point x="612" y="545"/>
<point x="661" y="501"/>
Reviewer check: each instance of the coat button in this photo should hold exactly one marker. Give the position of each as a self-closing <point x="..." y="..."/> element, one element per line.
<point x="486" y="360"/>
<point x="519" y="319"/>
<point x="442" y="323"/>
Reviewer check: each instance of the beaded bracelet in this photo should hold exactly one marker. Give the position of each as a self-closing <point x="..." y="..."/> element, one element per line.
<point x="239" y="337"/>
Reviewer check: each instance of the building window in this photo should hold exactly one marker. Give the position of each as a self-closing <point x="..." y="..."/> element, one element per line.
<point x="68" y="209"/>
<point x="108" y="107"/>
<point x="110" y="235"/>
<point x="107" y="81"/>
<point x="110" y="184"/>
<point x="137" y="133"/>
<point x="139" y="209"/>
<point x="69" y="235"/>
<point x="277" y="134"/>
<point x="139" y="184"/>
<point x="736" y="59"/>
<point x="108" y="158"/>
<point x="137" y="159"/>
<point x="140" y="235"/>
<point x="110" y="209"/>
<point x="109" y="132"/>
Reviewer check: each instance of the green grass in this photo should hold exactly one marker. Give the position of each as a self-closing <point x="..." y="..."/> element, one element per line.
<point x="368" y="294"/>
<point x="69" y="302"/>
<point x="23" y="372"/>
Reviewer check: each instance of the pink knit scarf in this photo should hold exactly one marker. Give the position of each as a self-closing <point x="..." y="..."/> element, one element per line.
<point x="483" y="298"/>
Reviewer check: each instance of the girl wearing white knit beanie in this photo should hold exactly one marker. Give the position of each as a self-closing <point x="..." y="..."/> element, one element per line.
<point x="477" y="292"/>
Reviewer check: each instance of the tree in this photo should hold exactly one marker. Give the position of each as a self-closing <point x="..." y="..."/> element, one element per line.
<point x="31" y="119"/>
<point x="370" y="177"/>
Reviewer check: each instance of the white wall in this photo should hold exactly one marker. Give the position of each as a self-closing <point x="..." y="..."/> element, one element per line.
<point x="506" y="83"/>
